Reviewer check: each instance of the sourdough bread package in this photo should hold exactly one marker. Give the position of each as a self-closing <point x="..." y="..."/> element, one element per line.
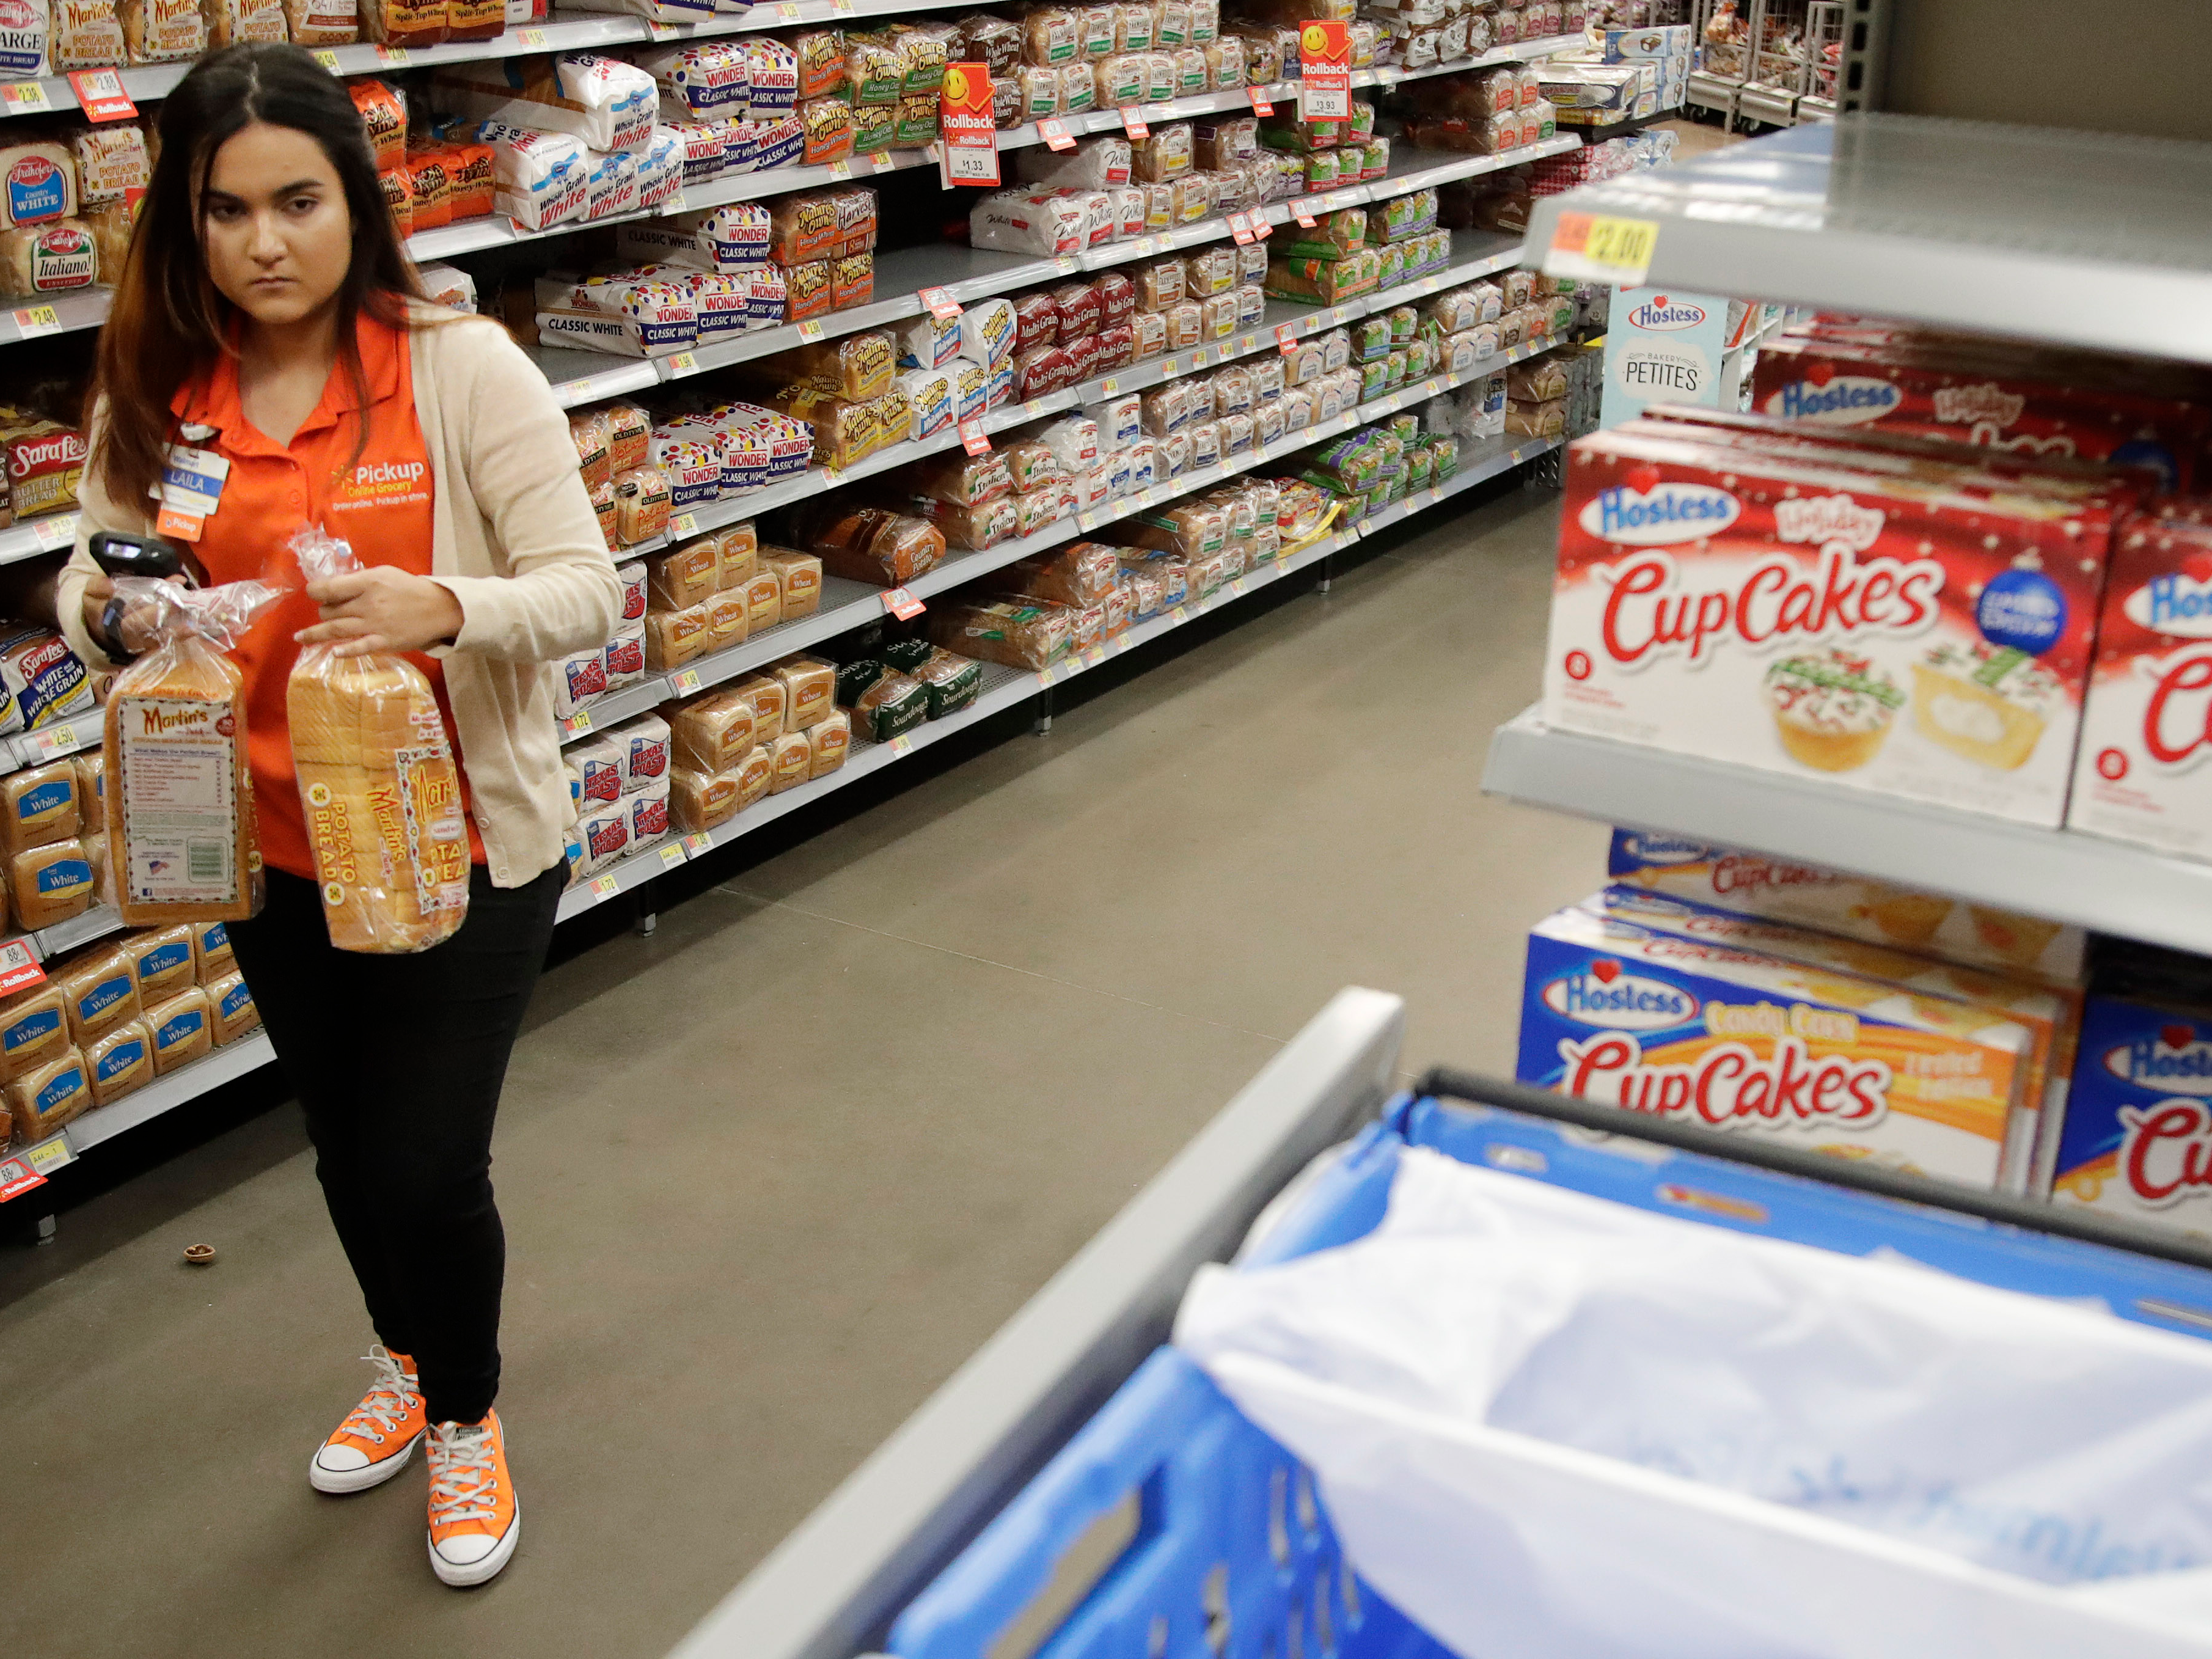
<point x="379" y="788"/>
<point x="179" y="795"/>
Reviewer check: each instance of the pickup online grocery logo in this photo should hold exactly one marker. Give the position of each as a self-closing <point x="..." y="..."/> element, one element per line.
<point x="1606" y="993"/>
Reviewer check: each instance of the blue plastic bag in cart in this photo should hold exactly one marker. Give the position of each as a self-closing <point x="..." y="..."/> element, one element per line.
<point x="1546" y="1423"/>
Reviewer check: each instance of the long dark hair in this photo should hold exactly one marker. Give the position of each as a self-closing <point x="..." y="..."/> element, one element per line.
<point x="168" y="321"/>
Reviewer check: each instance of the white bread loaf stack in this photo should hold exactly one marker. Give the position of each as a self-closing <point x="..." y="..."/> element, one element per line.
<point x="383" y="801"/>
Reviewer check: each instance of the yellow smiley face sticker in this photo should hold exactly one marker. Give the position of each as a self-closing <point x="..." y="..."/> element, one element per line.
<point x="956" y="86"/>
<point x="1315" y="42"/>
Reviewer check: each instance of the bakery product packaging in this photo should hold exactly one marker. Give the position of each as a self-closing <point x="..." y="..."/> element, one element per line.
<point x="120" y="1062"/>
<point x="162" y="962"/>
<point x="34" y="1030"/>
<point x="1855" y="906"/>
<point x="98" y="990"/>
<point x="230" y="1005"/>
<point x="181" y="1028"/>
<point x="379" y="787"/>
<point x="1876" y="621"/>
<point x="1745" y="1042"/>
<point x="48" y="1095"/>
<point x="2147" y="728"/>
<point x="2137" y="1136"/>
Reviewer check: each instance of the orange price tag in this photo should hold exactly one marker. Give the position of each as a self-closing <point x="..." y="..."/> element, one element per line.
<point x="1262" y="104"/>
<point x="100" y="94"/>
<point x="1241" y="228"/>
<point x="940" y="304"/>
<point x="1056" y="133"/>
<point x="973" y="438"/>
<point x="1133" y="121"/>
<point x="902" y="604"/>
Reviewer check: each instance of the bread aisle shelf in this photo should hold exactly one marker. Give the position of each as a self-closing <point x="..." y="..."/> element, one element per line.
<point x="1004" y="688"/>
<point x="2056" y="873"/>
<point x="1475" y="254"/>
<point x="863" y="604"/>
<point x="583" y="377"/>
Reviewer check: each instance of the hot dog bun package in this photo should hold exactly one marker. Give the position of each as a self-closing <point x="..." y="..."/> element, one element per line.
<point x="379" y="785"/>
<point x="180" y="797"/>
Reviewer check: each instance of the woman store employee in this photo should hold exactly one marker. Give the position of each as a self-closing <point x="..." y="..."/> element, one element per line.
<point x="267" y="316"/>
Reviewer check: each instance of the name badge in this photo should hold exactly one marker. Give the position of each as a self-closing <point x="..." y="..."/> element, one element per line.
<point x="192" y="481"/>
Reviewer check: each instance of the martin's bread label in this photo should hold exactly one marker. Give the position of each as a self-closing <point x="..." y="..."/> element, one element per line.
<point x="1879" y="621"/>
<point x="1739" y="1042"/>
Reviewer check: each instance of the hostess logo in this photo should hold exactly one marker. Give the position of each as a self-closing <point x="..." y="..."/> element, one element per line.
<point x="1842" y="400"/>
<point x="2175" y="1060"/>
<point x="1665" y="513"/>
<point x="1605" y="993"/>
<point x="2172" y="605"/>
<point x="1664" y="849"/>
<point x="1663" y="316"/>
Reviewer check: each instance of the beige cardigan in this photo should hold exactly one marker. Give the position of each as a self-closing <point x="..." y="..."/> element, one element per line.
<point x="517" y="543"/>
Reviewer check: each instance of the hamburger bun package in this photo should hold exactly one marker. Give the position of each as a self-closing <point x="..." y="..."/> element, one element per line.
<point x="179" y="795"/>
<point x="379" y="787"/>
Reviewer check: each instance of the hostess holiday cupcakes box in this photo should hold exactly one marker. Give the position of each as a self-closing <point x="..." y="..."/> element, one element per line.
<point x="1917" y="632"/>
<point x="2143" y="773"/>
<point x="1744" y="1043"/>
<point x="1752" y="884"/>
<point x="2051" y="1017"/>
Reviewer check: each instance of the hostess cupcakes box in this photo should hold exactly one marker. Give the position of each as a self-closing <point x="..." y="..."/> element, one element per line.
<point x="1858" y="907"/>
<point x="1742" y="1042"/>
<point x="2137" y="1140"/>
<point x="2143" y="773"/>
<point x="2051" y="1016"/>
<point x="1879" y="621"/>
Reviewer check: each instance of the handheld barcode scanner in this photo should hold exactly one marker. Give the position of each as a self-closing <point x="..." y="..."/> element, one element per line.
<point x="121" y="554"/>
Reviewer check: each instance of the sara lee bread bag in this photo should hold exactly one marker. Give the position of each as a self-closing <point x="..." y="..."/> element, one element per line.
<point x="379" y="786"/>
<point x="180" y="797"/>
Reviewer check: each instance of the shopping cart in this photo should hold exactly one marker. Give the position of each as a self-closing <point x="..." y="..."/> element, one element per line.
<point x="1079" y="1491"/>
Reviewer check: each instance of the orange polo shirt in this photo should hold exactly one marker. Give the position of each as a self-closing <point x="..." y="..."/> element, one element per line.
<point x="379" y="503"/>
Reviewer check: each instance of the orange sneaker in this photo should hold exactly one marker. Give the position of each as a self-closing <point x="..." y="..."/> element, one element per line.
<point x="475" y="1516"/>
<point x="374" y="1443"/>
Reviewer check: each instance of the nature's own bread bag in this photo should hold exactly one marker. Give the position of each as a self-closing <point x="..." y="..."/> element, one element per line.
<point x="379" y="788"/>
<point x="179" y="795"/>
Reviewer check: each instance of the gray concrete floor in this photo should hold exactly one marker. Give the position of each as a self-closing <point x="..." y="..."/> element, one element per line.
<point x="771" y="1174"/>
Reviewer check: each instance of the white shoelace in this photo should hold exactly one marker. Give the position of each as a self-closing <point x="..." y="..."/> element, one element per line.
<point x="390" y="1398"/>
<point x="455" y="1454"/>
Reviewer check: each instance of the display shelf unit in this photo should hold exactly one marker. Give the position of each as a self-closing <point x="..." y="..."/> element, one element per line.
<point x="88" y="308"/>
<point x="2078" y="238"/>
<point x="1004" y="687"/>
<point x="969" y="273"/>
<point x="1474" y="254"/>
<point x="2054" y="873"/>
<point x="585" y="31"/>
<point x="847" y="605"/>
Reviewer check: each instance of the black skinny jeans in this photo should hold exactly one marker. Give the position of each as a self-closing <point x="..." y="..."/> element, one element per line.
<point x="398" y="1060"/>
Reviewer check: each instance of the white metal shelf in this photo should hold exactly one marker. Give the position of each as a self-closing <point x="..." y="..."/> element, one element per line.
<point x="2103" y="884"/>
<point x="2087" y="238"/>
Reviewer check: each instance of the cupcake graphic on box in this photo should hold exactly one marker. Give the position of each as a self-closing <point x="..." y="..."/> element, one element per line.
<point x="1832" y="707"/>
